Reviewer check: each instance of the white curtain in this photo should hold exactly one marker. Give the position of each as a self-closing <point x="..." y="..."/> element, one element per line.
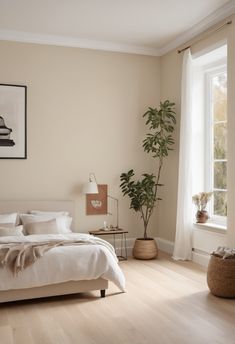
<point x="184" y="222"/>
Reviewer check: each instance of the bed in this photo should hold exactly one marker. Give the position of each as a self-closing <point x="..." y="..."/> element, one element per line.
<point x="97" y="279"/>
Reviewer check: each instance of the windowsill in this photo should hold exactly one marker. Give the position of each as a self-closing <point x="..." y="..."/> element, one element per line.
<point x="210" y="226"/>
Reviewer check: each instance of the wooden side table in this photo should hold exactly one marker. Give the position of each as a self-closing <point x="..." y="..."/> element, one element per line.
<point x="114" y="232"/>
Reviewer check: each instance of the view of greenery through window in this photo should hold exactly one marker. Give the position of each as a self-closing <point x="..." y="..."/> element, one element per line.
<point x="219" y="113"/>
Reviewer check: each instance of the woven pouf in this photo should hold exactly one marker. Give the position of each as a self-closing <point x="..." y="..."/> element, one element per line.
<point x="221" y="277"/>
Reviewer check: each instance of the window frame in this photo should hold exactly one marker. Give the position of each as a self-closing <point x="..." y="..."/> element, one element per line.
<point x="210" y="71"/>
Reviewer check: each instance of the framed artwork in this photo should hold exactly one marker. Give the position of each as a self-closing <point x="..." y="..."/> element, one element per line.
<point x="97" y="204"/>
<point x="13" y="126"/>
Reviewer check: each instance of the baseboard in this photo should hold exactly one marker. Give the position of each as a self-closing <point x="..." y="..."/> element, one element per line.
<point x="165" y="245"/>
<point x="120" y="246"/>
<point x="201" y="258"/>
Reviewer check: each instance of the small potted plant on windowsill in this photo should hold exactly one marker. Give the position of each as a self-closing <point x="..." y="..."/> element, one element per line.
<point x="143" y="193"/>
<point x="200" y="200"/>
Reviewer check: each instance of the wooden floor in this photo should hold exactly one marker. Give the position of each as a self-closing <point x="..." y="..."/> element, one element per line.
<point x="166" y="302"/>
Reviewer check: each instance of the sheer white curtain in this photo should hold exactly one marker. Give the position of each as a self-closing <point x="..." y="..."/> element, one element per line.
<point x="184" y="222"/>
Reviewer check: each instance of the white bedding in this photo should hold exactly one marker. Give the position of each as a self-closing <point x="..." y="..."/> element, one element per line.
<point x="65" y="263"/>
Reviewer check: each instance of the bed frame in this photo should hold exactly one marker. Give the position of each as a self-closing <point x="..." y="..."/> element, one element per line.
<point x="71" y="287"/>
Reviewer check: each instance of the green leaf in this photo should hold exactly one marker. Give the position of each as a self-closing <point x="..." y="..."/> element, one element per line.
<point x="158" y="142"/>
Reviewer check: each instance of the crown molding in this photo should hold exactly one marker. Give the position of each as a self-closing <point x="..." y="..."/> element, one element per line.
<point x="223" y="12"/>
<point x="68" y="41"/>
<point x="27" y="37"/>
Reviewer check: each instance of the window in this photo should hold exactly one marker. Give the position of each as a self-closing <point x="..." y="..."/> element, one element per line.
<point x="216" y="142"/>
<point x="211" y="103"/>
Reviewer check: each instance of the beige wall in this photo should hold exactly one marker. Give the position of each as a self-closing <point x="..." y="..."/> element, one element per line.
<point x="170" y="88"/>
<point x="84" y="115"/>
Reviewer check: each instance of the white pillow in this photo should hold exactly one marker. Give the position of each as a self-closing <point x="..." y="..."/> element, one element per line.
<point x="6" y="231"/>
<point x="55" y="214"/>
<point x="52" y="213"/>
<point x="68" y="222"/>
<point x="8" y="218"/>
<point x="44" y="227"/>
<point x="63" y="222"/>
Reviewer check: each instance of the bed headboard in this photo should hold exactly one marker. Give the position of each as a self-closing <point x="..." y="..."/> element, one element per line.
<point x="26" y="206"/>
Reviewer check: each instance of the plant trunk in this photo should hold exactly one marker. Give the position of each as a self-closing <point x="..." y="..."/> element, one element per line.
<point x="156" y="188"/>
<point x="145" y="230"/>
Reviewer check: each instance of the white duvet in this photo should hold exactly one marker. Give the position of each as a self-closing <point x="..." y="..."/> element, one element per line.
<point x="65" y="263"/>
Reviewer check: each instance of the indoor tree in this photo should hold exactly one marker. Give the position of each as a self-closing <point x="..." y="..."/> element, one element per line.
<point x="143" y="193"/>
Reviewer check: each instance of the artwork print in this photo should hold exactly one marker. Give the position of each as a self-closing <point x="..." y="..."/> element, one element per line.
<point x="13" y="121"/>
<point x="96" y="204"/>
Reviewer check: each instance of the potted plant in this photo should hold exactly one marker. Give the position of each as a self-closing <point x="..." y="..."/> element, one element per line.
<point x="143" y="193"/>
<point x="200" y="200"/>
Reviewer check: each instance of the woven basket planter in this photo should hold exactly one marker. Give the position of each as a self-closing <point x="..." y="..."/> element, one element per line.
<point x="221" y="277"/>
<point x="145" y="249"/>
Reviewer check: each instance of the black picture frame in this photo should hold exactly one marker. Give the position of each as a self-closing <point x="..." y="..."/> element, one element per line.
<point x="13" y="121"/>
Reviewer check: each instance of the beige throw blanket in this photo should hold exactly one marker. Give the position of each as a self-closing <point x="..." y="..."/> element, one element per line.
<point x="18" y="256"/>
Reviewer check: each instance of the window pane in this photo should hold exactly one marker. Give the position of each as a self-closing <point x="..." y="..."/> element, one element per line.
<point x="220" y="203"/>
<point x="219" y="97"/>
<point x="220" y="141"/>
<point x="220" y="175"/>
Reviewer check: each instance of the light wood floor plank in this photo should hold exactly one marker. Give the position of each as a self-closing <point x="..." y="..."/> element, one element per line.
<point x="167" y="302"/>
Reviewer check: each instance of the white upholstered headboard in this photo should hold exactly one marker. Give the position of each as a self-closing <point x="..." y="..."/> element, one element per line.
<point x="26" y="206"/>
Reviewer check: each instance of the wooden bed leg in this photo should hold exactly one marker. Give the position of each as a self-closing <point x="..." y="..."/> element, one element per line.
<point x="102" y="293"/>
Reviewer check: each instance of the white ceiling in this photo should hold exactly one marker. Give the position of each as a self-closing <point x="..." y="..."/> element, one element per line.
<point x="148" y="26"/>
